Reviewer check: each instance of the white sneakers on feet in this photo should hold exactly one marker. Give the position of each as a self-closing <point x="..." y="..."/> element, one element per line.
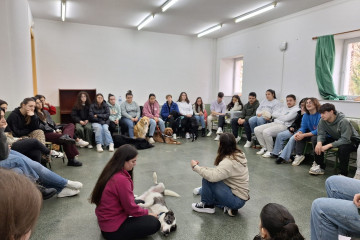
<point x="56" y="154"/>
<point x="219" y="130"/>
<point x="248" y="144"/>
<point x="209" y="134"/>
<point x="196" y="191"/>
<point x="111" y="147"/>
<point x="187" y="135"/>
<point x="217" y="138"/>
<point x="261" y="152"/>
<point x="316" y="170"/>
<point x="81" y="143"/>
<point x="237" y="139"/>
<point x="90" y="146"/>
<point x="74" y="185"/>
<point x="174" y="136"/>
<point x="201" y="207"/>
<point x="151" y="140"/>
<point x="99" y="148"/>
<point x="68" y="192"/>
<point x="266" y="155"/>
<point x="298" y="159"/>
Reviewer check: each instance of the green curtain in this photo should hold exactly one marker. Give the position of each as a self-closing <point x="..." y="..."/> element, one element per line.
<point x="324" y="66"/>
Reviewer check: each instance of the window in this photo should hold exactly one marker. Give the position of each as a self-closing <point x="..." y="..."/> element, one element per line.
<point x="231" y="75"/>
<point x="350" y="85"/>
<point x="238" y="75"/>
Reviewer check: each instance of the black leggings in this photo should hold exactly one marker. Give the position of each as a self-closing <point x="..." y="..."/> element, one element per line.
<point x="134" y="227"/>
<point x="31" y="148"/>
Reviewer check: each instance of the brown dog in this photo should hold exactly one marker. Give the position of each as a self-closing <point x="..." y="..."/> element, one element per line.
<point x="167" y="136"/>
<point x="142" y="127"/>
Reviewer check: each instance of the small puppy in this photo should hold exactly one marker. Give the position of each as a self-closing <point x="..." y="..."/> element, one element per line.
<point x="142" y="127"/>
<point x="166" y="137"/>
<point x="154" y="201"/>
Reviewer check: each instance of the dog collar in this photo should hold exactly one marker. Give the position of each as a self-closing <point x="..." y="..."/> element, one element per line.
<point x="160" y="214"/>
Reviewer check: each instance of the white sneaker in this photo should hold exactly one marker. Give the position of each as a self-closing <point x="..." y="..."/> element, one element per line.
<point x="187" y="135"/>
<point x="219" y="130"/>
<point x="237" y="139"/>
<point x="298" y="159"/>
<point x="317" y="170"/>
<point x="200" y="207"/>
<point x="81" y="143"/>
<point x="99" y="148"/>
<point x="74" y="185"/>
<point x="209" y="134"/>
<point x="68" y="192"/>
<point x="266" y="155"/>
<point x="174" y="136"/>
<point x="261" y="152"/>
<point x="248" y="144"/>
<point x="56" y="154"/>
<point x="196" y="191"/>
<point x="357" y="176"/>
<point x="217" y="138"/>
<point x="314" y="166"/>
<point x="111" y="147"/>
<point x="151" y="140"/>
<point x="89" y="146"/>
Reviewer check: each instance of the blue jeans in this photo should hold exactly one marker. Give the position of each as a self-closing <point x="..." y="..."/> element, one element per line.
<point x="102" y="134"/>
<point x="256" y="121"/>
<point x="33" y="170"/>
<point x="219" y="194"/>
<point x="280" y="140"/>
<point x="200" y="119"/>
<point x="336" y="214"/>
<point x="130" y="125"/>
<point x="153" y="126"/>
<point x="288" y="149"/>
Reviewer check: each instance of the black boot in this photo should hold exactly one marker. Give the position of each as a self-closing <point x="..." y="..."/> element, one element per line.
<point x="46" y="192"/>
<point x="203" y="131"/>
<point x="74" y="163"/>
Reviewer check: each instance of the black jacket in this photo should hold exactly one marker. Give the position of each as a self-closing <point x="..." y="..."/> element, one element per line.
<point x="17" y="123"/>
<point x="48" y="125"/>
<point x="82" y="114"/>
<point x="297" y="123"/>
<point x="102" y="113"/>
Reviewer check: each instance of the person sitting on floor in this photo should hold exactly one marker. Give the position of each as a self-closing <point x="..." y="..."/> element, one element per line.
<point x="170" y="112"/>
<point x="248" y="111"/>
<point x="115" y="116"/>
<point x="218" y="110"/>
<point x="152" y="111"/>
<point x="130" y="112"/>
<point x="334" y="131"/>
<point x="117" y="214"/>
<point x="46" y="105"/>
<point x="226" y="185"/>
<point x="281" y="121"/>
<point x="199" y="108"/>
<point x="339" y="213"/>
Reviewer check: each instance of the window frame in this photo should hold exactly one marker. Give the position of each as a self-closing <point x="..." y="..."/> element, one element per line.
<point x="234" y="75"/>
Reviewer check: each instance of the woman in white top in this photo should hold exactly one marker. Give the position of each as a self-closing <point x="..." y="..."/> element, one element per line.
<point x="187" y="120"/>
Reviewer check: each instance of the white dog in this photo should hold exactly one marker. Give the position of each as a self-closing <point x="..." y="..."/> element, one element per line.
<point x="154" y="201"/>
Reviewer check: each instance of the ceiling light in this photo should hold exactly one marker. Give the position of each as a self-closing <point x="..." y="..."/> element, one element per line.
<point x="212" y="29"/>
<point x="168" y="4"/>
<point x="63" y="10"/>
<point x="146" y="21"/>
<point x="256" y="12"/>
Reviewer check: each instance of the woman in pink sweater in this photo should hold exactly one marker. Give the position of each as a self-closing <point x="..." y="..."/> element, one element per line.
<point x="115" y="203"/>
<point x="152" y="111"/>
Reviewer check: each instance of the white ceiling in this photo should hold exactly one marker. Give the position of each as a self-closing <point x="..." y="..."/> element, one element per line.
<point x="185" y="17"/>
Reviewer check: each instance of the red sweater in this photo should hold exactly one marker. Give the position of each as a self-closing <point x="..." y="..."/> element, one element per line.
<point x="117" y="203"/>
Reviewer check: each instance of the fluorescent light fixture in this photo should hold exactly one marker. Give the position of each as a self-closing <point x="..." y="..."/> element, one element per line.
<point x="63" y="10"/>
<point x="168" y="4"/>
<point x="207" y="31"/>
<point x="146" y="21"/>
<point x="256" y="12"/>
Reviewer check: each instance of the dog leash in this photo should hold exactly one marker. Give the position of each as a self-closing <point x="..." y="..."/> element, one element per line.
<point x="160" y="214"/>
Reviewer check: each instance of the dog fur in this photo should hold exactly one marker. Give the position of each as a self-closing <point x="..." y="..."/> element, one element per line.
<point x="142" y="127"/>
<point x="154" y="201"/>
<point x="167" y="136"/>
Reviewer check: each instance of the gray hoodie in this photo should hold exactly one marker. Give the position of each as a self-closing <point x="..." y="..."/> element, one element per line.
<point x="341" y="130"/>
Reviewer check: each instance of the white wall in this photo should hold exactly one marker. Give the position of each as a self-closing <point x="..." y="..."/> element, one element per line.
<point x="263" y="59"/>
<point x="115" y="60"/>
<point x="15" y="52"/>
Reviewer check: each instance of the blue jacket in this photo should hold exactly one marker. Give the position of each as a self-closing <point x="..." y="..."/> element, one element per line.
<point x="310" y="123"/>
<point x="166" y="110"/>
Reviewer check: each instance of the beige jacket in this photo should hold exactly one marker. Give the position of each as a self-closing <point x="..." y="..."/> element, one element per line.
<point x="233" y="172"/>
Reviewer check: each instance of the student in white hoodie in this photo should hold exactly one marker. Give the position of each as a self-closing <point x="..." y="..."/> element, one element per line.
<point x="282" y="120"/>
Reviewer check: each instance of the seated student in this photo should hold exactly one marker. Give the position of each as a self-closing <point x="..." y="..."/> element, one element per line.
<point x="276" y="222"/>
<point x="218" y="110"/>
<point x="199" y="108"/>
<point x="248" y="111"/>
<point x="170" y="112"/>
<point x="357" y="174"/>
<point x="152" y="111"/>
<point x="24" y="123"/>
<point x="235" y="104"/>
<point x="307" y="132"/>
<point x="58" y="136"/>
<point x="11" y="159"/>
<point x="334" y="131"/>
<point x="265" y="111"/>
<point x="187" y="119"/>
<point x="46" y="105"/>
<point x="226" y="185"/>
<point x="99" y="117"/>
<point x="283" y="136"/>
<point x="281" y="121"/>
<point x="130" y="112"/>
<point x="15" y="223"/>
<point x="118" y="215"/>
<point x="115" y="116"/>
<point x="80" y="116"/>
<point x="3" y="105"/>
<point x="339" y="213"/>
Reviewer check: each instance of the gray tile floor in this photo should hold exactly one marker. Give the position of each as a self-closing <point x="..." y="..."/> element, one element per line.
<point x="74" y="218"/>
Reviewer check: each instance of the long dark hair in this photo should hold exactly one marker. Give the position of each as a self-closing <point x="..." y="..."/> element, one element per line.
<point x="40" y="112"/>
<point x="272" y="92"/>
<point x="186" y="99"/>
<point x="196" y="105"/>
<point x="24" y="102"/>
<point x="280" y="224"/>
<point x="78" y="105"/>
<point x="116" y="164"/>
<point x="227" y="147"/>
<point x="231" y="104"/>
